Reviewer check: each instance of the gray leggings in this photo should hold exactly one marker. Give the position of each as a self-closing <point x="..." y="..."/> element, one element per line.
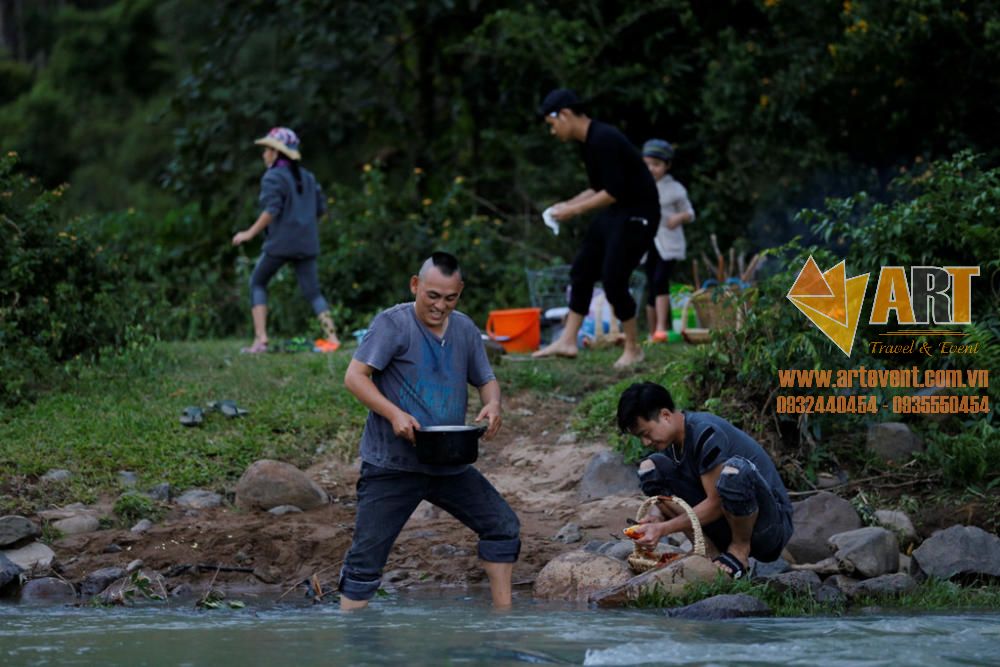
<point x="305" y="271"/>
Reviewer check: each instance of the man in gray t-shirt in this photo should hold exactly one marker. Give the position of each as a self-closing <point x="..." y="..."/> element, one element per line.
<point x="724" y="474"/>
<point x="412" y="370"/>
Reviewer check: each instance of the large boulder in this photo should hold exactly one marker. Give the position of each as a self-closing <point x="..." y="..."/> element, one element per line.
<point x="76" y="525"/>
<point x="893" y="441"/>
<point x="796" y="582"/>
<point x="607" y="474"/>
<point x="717" y="607"/>
<point x="669" y="580"/>
<point x="35" y="557"/>
<point x="816" y="519"/>
<point x="47" y="590"/>
<point x="866" y="552"/>
<point x="965" y="552"/>
<point x="10" y="574"/>
<point x="98" y="580"/>
<point x="267" y="484"/>
<point x="576" y="574"/>
<point x="13" y="529"/>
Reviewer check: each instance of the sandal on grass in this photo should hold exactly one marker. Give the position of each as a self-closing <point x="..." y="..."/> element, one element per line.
<point x="228" y="408"/>
<point x="192" y="416"/>
<point x="737" y="570"/>
<point x="256" y="348"/>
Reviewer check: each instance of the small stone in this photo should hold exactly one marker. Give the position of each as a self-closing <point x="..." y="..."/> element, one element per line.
<point x="181" y="590"/>
<point x="127" y="478"/>
<point x="134" y="565"/>
<point x="566" y="438"/>
<point x="281" y="510"/>
<point x="395" y="576"/>
<point x="112" y="548"/>
<point x="161" y="492"/>
<point x="56" y="475"/>
<point x="269" y="574"/>
<point x="141" y="527"/>
<point x="199" y="499"/>
<point x="568" y="534"/>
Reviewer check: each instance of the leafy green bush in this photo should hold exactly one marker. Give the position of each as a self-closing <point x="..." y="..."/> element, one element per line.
<point x="133" y="506"/>
<point x="947" y="214"/>
<point x="61" y="295"/>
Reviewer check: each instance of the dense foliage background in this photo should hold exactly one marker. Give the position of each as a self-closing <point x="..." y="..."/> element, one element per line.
<point x="132" y="124"/>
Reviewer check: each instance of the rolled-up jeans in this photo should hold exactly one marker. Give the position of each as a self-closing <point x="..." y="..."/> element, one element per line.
<point x="742" y="493"/>
<point x="387" y="498"/>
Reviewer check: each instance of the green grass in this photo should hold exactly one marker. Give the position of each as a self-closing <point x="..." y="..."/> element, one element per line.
<point x="114" y="417"/>
<point x="122" y="414"/>
<point x="932" y="595"/>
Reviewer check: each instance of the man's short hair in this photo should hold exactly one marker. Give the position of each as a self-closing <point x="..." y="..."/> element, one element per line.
<point x="445" y="262"/>
<point x="642" y="399"/>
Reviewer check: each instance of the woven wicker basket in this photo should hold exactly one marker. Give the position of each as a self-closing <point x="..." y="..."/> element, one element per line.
<point x="715" y="308"/>
<point x="643" y="559"/>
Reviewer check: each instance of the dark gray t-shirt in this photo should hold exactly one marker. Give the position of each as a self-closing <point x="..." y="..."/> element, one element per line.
<point x="294" y="231"/>
<point x="708" y="441"/>
<point x="425" y="375"/>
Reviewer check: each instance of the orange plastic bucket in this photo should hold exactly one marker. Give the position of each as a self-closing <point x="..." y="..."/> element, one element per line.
<point x="517" y="329"/>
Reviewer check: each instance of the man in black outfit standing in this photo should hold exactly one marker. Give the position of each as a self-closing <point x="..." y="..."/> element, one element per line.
<point x="622" y="188"/>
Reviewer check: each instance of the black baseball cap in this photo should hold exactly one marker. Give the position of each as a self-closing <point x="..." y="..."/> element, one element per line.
<point x="558" y="99"/>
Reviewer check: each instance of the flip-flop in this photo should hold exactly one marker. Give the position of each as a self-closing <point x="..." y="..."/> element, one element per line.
<point x="228" y="408"/>
<point x="323" y="345"/>
<point x="737" y="570"/>
<point x="192" y="416"/>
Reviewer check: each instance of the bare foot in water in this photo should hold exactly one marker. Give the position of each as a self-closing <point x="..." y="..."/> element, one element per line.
<point x="630" y="358"/>
<point x="556" y="349"/>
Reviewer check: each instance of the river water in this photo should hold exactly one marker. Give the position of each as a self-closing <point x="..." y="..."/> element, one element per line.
<point x="462" y="629"/>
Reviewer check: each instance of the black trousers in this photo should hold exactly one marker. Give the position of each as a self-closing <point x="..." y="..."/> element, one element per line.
<point x="611" y="250"/>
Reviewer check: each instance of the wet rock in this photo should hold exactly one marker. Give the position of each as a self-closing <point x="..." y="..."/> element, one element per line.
<point x="837" y="588"/>
<point x="671" y="580"/>
<point x="893" y="441"/>
<point x="738" y="605"/>
<point x="56" y="475"/>
<point x="34" y="557"/>
<point x="963" y="552"/>
<point x="568" y="534"/>
<point x="199" y="499"/>
<point x="161" y="492"/>
<point x="10" y="575"/>
<point x="762" y="569"/>
<point x="887" y="585"/>
<point x="267" y="484"/>
<point x="269" y="574"/>
<point x="127" y="478"/>
<point x="77" y="525"/>
<point x="47" y="590"/>
<point x="796" y="582"/>
<point x="15" y="528"/>
<point x="866" y="552"/>
<point x="282" y="510"/>
<point x="607" y="474"/>
<point x="142" y="526"/>
<point x="95" y="582"/>
<point x="577" y="574"/>
<point x="816" y="520"/>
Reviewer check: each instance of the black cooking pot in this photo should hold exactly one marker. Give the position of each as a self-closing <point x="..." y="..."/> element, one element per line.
<point x="448" y="445"/>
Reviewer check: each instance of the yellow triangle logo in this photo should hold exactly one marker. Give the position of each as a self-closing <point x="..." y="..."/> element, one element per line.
<point x="831" y="301"/>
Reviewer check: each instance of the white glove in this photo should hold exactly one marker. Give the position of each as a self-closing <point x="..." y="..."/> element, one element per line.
<point x="550" y="222"/>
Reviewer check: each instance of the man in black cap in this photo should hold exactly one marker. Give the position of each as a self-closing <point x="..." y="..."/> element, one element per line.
<point x="622" y="188"/>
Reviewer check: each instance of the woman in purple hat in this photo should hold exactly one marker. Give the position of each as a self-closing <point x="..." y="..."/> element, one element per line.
<point x="291" y="203"/>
